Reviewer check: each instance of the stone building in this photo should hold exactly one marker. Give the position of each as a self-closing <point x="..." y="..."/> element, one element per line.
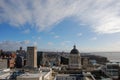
<point x="3" y="63"/>
<point x="32" y="57"/>
<point x="20" y="58"/>
<point x="74" y="59"/>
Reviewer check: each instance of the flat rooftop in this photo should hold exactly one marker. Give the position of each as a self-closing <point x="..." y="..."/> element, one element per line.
<point x="29" y="75"/>
<point x="32" y="75"/>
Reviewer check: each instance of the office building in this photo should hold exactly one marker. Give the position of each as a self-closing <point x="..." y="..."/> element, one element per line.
<point x="32" y="57"/>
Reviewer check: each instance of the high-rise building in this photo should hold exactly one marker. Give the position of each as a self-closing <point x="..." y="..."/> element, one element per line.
<point x="32" y="57"/>
<point x="74" y="59"/>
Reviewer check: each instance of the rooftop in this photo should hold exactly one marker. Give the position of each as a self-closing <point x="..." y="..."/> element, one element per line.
<point x="74" y="50"/>
<point x="38" y="74"/>
<point x="29" y="75"/>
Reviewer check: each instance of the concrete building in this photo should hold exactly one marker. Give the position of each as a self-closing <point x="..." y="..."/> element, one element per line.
<point x="50" y="59"/>
<point x="82" y="76"/>
<point x="85" y="63"/>
<point x="112" y="69"/>
<point x="7" y="63"/>
<point x="74" y="59"/>
<point x="4" y="74"/>
<point x="30" y="76"/>
<point x="74" y="70"/>
<point x="11" y="63"/>
<point x="20" y="58"/>
<point x="32" y="57"/>
<point x="100" y="75"/>
<point x="64" y="77"/>
<point x="43" y="74"/>
<point x="3" y="63"/>
<point x="39" y="58"/>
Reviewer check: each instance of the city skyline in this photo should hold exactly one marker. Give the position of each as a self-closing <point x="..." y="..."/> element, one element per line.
<point x="57" y="25"/>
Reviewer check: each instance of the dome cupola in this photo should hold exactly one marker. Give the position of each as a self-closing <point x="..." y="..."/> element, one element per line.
<point x="74" y="50"/>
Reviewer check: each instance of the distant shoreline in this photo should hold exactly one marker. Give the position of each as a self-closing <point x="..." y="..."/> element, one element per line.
<point x="112" y="56"/>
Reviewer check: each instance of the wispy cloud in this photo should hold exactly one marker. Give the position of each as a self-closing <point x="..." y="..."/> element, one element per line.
<point x="94" y="38"/>
<point x="56" y="36"/>
<point x="13" y="45"/>
<point x="39" y="38"/>
<point x="79" y="34"/>
<point x="65" y="43"/>
<point x="50" y="43"/>
<point x="52" y="33"/>
<point x="101" y="15"/>
<point x="25" y="42"/>
<point x="35" y="43"/>
<point x="26" y="31"/>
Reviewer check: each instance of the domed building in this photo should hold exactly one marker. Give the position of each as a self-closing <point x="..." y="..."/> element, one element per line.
<point x="74" y="59"/>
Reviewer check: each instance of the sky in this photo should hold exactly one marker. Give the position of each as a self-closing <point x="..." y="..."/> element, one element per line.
<point x="57" y="25"/>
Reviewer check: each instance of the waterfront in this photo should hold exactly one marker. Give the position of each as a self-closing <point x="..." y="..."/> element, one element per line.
<point x="112" y="56"/>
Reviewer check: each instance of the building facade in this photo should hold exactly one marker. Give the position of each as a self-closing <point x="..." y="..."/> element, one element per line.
<point x="3" y="63"/>
<point x="113" y="70"/>
<point x="74" y="59"/>
<point x="32" y="57"/>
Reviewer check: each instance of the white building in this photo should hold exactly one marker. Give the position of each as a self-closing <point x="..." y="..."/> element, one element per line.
<point x="4" y="74"/>
<point x="30" y="76"/>
<point x="64" y="77"/>
<point x="3" y="63"/>
<point x="84" y="76"/>
<point x="44" y="74"/>
<point x="74" y="59"/>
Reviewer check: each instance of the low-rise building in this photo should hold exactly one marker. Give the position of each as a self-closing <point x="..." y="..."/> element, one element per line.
<point x="30" y="76"/>
<point x="4" y="74"/>
<point x="3" y="63"/>
<point x="100" y="75"/>
<point x="83" y="76"/>
<point x="42" y="74"/>
<point x="112" y="69"/>
<point x="11" y="63"/>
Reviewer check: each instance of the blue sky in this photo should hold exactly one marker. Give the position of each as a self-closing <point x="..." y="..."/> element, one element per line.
<point x="58" y="24"/>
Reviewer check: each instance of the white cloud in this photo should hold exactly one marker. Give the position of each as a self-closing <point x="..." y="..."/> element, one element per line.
<point x="39" y="38"/>
<point x="52" y="33"/>
<point x="13" y="45"/>
<point x="50" y="43"/>
<point x="26" y="31"/>
<point x="94" y="38"/>
<point x="79" y="34"/>
<point x="103" y="16"/>
<point x="56" y="36"/>
<point x="65" y="43"/>
<point x="33" y="37"/>
<point x="25" y="42"/>
<point x="35" y="43"/>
